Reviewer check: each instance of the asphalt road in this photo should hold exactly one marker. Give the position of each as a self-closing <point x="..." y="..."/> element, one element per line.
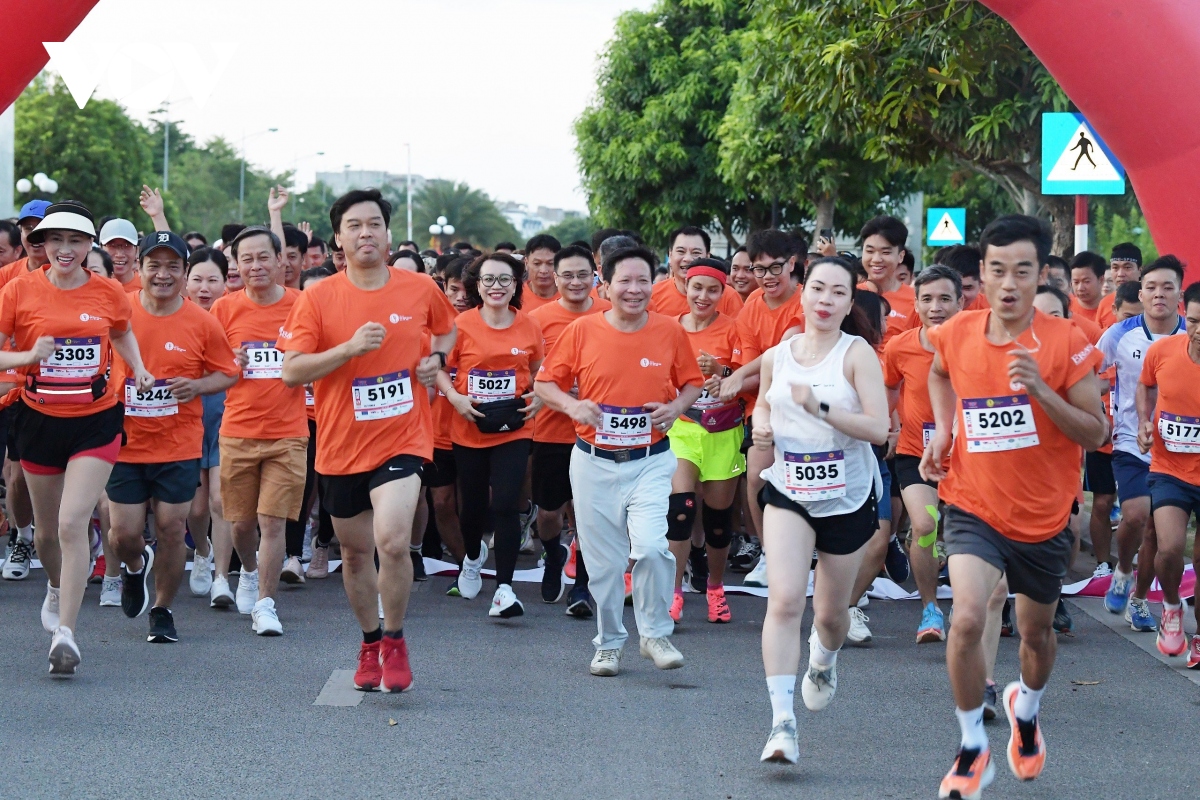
<point x="507" y="709"/>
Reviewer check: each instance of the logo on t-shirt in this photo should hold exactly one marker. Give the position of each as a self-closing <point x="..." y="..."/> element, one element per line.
<point x="394" y="318"/>
<point x="85" y="317"/>
<point x="1078" y="358"/>
<point x="645" y="362"/>
<point x="175" y="347"/>
<point x="516" y="351"/>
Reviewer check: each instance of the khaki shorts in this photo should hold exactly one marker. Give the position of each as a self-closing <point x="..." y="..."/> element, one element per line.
<point x="263" y="476"/>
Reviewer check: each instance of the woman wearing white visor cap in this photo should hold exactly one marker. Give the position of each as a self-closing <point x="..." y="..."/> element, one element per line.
<point x="65" y="322"/>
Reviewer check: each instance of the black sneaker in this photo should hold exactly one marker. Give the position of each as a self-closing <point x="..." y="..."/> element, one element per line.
<point x="580" y="603"/>
<point x="1062" y="618"/>
<point x="895" y="563"/>
<point x="1006" y="623"/>
<point x="698" y="559"/>
<point x="553" y="585"/>
<point x="162" y="626"/>
<point x="135" y="589"/>
<point x="418" y="565"/>
<point x="989" y="701"/>
<point x="747" y="554"/>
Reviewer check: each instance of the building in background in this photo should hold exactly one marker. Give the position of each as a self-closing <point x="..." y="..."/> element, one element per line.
<point x="341" y="182"/>
<point x="530" y="222"/>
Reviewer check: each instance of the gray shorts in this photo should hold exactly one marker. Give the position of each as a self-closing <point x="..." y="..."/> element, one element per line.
<point x="1034" y="570"/>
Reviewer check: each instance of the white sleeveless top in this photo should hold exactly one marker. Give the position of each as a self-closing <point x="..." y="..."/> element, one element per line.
<point x="817" y="465"/>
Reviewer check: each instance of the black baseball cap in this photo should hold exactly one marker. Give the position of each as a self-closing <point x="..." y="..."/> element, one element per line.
<point x="157" y="239"/>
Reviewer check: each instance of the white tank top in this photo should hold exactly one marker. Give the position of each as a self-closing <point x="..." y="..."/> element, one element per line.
<point x="817" y="465"/>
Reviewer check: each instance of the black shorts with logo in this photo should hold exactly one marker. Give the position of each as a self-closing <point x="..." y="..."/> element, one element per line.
<point x="550" y="475"/>
<point x="348" y="496"/>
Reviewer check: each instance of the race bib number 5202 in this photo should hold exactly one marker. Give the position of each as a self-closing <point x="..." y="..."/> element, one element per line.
<point x="995" y="424"/>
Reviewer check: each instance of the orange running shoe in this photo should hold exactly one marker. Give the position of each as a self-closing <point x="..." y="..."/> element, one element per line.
<point x="1193" y="661"/>
<point x="718" y="607"/>
<point x="569" y="569"/>
<point x="1172" y="641"/>
<point x="369" y="673"/>
<point x="628" y="589"/>
<point x="393" y="659"/>
<point x="1026" y="750"/>
<point x="677" y="606"/>
<point x="971" y="774"/>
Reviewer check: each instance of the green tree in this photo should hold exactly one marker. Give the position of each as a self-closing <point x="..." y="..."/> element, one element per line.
<point x="97" y="154"/>
<point x="648" y="145"/>
<point x="472" y="213"/>
<point x="572" y="228"/>
<point x="1113" y="226"/>
<point x="921" y="81"/>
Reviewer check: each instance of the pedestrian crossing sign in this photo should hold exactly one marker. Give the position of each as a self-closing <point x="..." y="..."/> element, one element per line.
<point x="945" y="226"/>
<point x="1075" y="160"/>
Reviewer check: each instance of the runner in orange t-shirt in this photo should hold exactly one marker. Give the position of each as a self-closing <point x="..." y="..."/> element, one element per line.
<point x="160" y="462"/>
<point x="358" y="339"/>
<point x="119" y="238"/>
<point x="264" y="430"/>
<point x="636" y="374"/>
<point x="1087" y="284"/>
<point x="741" y="274"/>
<point x="906" y="362"/>
<point x="540" y="287"/>
<point x="669" y="297"/>
<point x="883" y="252"/>
<point x="554" y="433"/>
<point x="1169" y="429"/>
<point x="64" y="323"/>
<point x="1022" y="388"/>
<point x="498" y="350"/>
<point x="707" y="441"/>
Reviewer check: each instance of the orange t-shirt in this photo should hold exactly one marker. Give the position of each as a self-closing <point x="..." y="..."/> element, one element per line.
<point x="1091" y="330"/>
<point x="1105" y="316"/>
<point x="493" y="365"/>
<point x="666" y="299"/>
<point x="372" y="408"/>
<point x="80" y="318"/>
<point x="621" y="372"/>
<point x="187" y="344"/>
<point x="548" y="425"/>
<point x="906" y="364"/>
<point x="1176" y="416"/>
<point x="761" y="327"/>
<point x="259" y="406"/>
<point x="721" y="340"/>
<point x="1025" y="491"/>
<point x="902" y="316"/>
<point x="531" y="302"/>
<point x="134" y="285"/>
<point x="980" y="303"/>
<point x="1078" y="310"/>
<point x="14" y="270"/>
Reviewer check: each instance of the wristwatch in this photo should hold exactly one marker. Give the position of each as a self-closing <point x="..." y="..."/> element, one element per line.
<point x="441" y="357"/>
<point x="822" y="410"/>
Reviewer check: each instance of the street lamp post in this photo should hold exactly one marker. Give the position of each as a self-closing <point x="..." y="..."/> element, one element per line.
<point x="409" y="146"/>
<point x="443" y="230"/>
<point x="43" y="182"/>
<point x="242" y="180"/>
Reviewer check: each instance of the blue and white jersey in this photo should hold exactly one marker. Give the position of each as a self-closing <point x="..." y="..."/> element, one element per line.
<point x="1125" y="345"/>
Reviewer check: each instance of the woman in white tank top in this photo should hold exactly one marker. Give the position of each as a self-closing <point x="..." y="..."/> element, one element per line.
<point x="821" y="405"/>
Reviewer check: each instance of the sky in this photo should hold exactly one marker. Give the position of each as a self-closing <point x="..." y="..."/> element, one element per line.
<point x="485" y="91"/>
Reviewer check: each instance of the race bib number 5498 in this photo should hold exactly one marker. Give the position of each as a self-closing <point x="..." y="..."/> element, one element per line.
<point x="623" y="427"/>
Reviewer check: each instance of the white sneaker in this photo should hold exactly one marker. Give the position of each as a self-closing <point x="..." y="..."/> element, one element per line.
<point x="64" y="653"/>
<point x="264" y="620"/>
<point x="1102" y="570"/>
<point x="201" y="581"/>
<point x="50" y="609"/>
<point x="859" y="633"/>
<point x="247" y="591"/>
<point x="758" y="575"/>
<point x="662" y="652"/>
<point x="16" y="566"/>
<point x="818" y="687"/>
<point x="292" y="572"/>
<point x="504" y="603"/>
<point x="863" y="601"/>
<point x="380" y="597"/>
<point x="606" y="663"/>
<point x="782" y="747"/>
<point x="470" y="582"/>
<point x="220" y="595"/>
<point x="110" y="592"/>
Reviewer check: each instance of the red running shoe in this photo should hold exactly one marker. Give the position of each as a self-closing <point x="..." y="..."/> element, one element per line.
<point x="1193" y="661"/>
<point x="97" y="575"/>
<point x="397" y="674"/>
<point x="569" y="569"/>
<point x="628" y="589"/>
<point x="369" y="672"/>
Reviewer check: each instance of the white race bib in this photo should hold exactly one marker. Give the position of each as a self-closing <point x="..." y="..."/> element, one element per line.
<point x="309" y="400"/>
<point x="994" y="424"/>
<point x="815" y="476"/>
<point x="264" y="361"/>
<point x="488" y="385"/>
<point x="927" y="431"/>
<point x="74" y="357"/>
<point x="1179" y="434"/>
<point x="707" y="402"/>
<point x="382" y="396"/>
<point x="158" y="402"/>
<point x="623" y="427"/>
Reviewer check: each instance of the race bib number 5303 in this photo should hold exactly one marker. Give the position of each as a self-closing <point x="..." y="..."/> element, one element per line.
<point x="76" y="357"/>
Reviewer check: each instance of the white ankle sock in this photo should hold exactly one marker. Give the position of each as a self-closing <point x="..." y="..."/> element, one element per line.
<point x="782" y="689"/>
<point x="820" y="656"/>
<point x="1028" y="701"/>
<point x="1173" y="606"/>
<point x="26" y="532"/>
<point x="973" y="735"/>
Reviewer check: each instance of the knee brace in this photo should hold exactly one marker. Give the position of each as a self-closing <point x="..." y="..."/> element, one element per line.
<point x="717" y="524"/>
<point x="681" y="514"/>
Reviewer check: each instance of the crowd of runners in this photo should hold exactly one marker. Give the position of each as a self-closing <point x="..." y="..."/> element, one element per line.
<point x="273" y="407"/>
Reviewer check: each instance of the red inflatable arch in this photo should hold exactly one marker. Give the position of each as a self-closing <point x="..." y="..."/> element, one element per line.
<point x="28" y="23"/>
<point x="1129" y="65"/>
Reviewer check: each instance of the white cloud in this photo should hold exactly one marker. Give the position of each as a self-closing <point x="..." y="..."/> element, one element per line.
<point x="485" y="91"/>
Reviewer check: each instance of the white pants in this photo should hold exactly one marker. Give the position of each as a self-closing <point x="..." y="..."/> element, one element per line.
<point x="621" y="511"/>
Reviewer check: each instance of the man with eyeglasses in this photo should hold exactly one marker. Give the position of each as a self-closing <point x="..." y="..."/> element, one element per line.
<point x="554" y="432"/>
<point x="670" y="296"/>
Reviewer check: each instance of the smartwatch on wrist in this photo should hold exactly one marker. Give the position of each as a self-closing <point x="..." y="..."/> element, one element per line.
<point x="822" y="410"/>
<point x="441" y="357"/>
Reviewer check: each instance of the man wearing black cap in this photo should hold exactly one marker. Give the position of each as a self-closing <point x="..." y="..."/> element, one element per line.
<point x="159" y="465"/>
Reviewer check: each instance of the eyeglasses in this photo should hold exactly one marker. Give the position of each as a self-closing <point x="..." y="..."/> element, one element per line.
<point x="503" y="281"/>
<point x="571" y="277"/>
<point x="774" y="269"/>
